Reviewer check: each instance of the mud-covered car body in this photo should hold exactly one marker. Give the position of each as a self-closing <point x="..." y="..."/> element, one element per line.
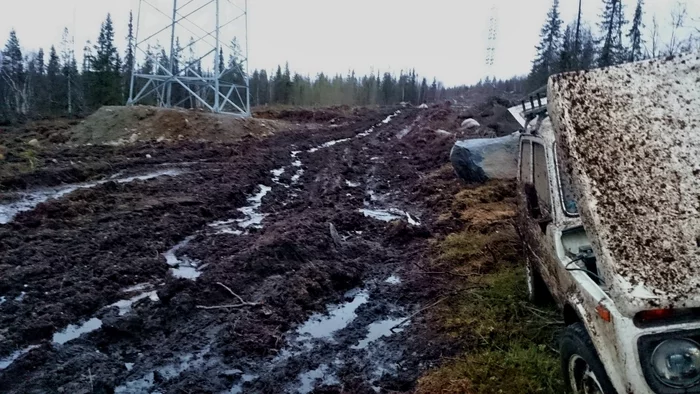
<point x="609" y="186"/>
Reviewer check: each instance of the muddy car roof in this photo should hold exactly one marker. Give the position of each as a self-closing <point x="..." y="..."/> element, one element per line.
<point x="630" y="138"/>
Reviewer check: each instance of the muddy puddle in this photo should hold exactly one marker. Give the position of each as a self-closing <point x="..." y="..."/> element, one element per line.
<point x="347" y="335"/>
<point x="252" y="217"/>
<point x="75" y="331"/>
<point x="389" y="215"/>
<point x="5" y="362"/>
<point x="182" y="266"/>
<point x="28" y="200"/>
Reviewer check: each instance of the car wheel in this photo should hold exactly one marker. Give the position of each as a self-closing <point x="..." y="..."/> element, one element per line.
<point x="583" y="371"/>
<point x="537" y="291"/>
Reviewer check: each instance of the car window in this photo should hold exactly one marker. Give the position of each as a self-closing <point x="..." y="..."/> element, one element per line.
<point x="567" y="192"/>
<point x="541" y="179"/>
<point x="526" y="162"/>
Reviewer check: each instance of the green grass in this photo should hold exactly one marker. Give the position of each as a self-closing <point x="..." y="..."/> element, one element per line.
<point x="509" y="343"/>
<point x="506" y="345"/>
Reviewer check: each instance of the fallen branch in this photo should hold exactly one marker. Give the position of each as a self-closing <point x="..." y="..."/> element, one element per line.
<point x="417" y="313"/>
<point x="229" y="306"/>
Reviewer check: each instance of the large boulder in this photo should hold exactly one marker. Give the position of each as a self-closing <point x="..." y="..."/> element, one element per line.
<point x="478" y="160"/>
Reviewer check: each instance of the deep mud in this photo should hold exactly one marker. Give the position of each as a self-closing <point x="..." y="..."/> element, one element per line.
<point x="114" y="288"/>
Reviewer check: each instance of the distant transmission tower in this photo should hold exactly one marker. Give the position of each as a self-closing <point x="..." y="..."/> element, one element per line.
<point x="491" y="42"/>
<point x="198" y="74"/>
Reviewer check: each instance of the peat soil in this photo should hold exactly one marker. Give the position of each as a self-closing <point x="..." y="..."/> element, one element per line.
<point x="270" y="265"/>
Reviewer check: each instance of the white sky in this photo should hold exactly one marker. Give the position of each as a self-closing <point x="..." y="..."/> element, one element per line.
<point x="442" y="38"/>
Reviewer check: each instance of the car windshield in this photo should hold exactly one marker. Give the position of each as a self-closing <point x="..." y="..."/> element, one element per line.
<point x="567" y="193"/>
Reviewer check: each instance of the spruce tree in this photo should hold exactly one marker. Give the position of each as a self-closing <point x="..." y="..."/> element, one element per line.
<point x="264" y="88"/>
<point x="612" y="21"/>
<point x="546" y="60"/>
<point x="567" y="54"/>
<point x="104" y="87"/>
<point x="12" y="61"/>
<point x="40" y="65"/>
<point x="13" y="74"/>
<point x="432" y="96"/>
<point x="423" y="91"/>
<point x="635" y="33"/>
<point x="129" y="55"/>
<point x="53" y="79"/>
<point x="287" y="85"/>
<point x="40" y="89"/>
<point x="277" y="87"/>
<point x="148" y="63"/>
<point x="388" y="89"/>
<point x="586" y="59"/>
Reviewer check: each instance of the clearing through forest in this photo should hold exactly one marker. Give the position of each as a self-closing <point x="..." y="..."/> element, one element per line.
<point x="291" y="258"/>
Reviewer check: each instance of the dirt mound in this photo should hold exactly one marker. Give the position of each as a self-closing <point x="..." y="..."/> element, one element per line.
<point x="493" y="115"/>
<point x="335" y="114"/>
<point x="120" y="125"/>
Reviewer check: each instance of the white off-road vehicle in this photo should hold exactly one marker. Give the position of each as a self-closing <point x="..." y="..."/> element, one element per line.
<point x="609" y="185"/>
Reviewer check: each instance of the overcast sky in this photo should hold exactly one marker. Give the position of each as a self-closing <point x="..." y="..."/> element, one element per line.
<point x="441" y="38"/>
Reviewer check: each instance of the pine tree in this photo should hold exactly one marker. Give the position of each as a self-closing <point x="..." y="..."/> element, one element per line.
<point x="612" y="21"/>
<point x="104" y="87"/>
<point x="635" y="33"/>
<point x="545" y="62"/>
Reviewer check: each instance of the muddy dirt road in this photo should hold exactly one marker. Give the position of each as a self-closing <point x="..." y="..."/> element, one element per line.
<point x="269" y="265"/>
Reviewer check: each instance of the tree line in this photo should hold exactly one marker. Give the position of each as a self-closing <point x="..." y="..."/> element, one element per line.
<point x="47" y="84"/>
<point x="37" y="84"/>
<point x="284" y="88"/>
<point x="577" y="47"/>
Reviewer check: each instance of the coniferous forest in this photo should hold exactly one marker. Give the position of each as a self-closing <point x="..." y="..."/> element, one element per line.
<point x="50" y="82"/>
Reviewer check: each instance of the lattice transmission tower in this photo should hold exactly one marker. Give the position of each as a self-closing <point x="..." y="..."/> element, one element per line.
<point x="210" y="71"/>
<point x="491" y="41"/>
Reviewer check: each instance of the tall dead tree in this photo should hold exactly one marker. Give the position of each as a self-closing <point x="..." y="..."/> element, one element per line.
<point x="679" y="14"/>
<point x="577" y="38"/>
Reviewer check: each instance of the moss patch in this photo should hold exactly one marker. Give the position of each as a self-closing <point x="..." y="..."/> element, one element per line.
<point x="508" y="345"/>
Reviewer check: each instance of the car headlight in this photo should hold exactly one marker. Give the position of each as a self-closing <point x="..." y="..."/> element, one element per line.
<point x="676" y="362"/>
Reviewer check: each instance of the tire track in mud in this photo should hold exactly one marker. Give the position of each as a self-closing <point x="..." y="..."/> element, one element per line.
<point x="309" y="282"/>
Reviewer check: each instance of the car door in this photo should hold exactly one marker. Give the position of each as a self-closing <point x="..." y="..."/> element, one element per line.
<point x="535" y="213"/>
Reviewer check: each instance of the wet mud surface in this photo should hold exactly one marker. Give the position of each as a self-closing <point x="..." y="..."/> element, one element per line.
<point x="283" y="264"/>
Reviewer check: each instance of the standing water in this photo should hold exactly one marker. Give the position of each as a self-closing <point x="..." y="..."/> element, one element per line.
<point x="27" y="201"/>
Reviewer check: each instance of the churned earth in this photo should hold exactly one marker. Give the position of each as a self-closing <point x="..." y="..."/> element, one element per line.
<point x="290" y="260"/>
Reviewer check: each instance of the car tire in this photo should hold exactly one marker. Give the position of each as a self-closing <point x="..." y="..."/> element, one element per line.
<point x="537" y="290"/>
<point x="583" y="371"/>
